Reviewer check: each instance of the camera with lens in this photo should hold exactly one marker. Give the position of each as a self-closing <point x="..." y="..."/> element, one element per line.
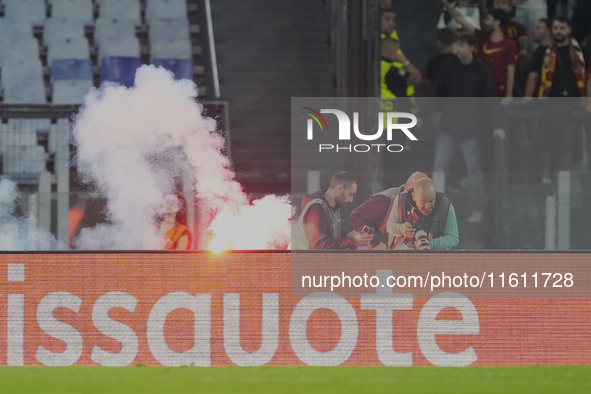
<point x="421" y="236"/>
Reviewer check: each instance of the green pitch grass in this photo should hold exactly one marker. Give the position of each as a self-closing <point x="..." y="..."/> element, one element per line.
<point x="308" y="380"/>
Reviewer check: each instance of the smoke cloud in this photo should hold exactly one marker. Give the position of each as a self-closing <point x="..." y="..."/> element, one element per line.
<point x="134" y="142"/>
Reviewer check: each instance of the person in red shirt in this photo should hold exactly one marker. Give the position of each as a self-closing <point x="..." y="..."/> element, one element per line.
<point x="497" y="51"/>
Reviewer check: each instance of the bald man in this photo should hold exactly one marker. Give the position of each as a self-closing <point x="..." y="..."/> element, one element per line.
<point x="374" y="212"/>
<point x="426" y="206"/>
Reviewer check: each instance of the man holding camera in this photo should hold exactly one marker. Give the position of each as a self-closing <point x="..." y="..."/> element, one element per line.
<point x="319" y="225"/>
<point x="422" y="218"/>
<point x="374" y="212"/>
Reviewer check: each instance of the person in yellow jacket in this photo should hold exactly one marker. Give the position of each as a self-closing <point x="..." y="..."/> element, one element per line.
<point x="396" y="85"/>
<point x="396" y="81"/>
<point x="388" y="30"/>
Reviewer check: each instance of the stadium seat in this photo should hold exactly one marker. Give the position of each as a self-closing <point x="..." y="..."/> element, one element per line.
<point x="18" y="137"/>
<point x="15" y="68"/>
<point x="166" y="9"/>
<point x="173" y="48"/>
<point x="119" y="69"/>
<point x="11" y="30"/>
<point x="59" y="136"/>
<point x="71" y="69"/>
<point x="122" y="46"/>
<point x="33" y="125"/>
<point x="33" y="11"/>
<point x="25" y="48"/>
<point x="169" y="28"/>
<point x="82" y="10"/>
<point x="182" y="69"/>
<point x="31" y="91"/>
<point x="112" y="28"/>
<point x="69" y="48"/>
<point x="70" y="91"/>
<point x="62" y="28"/>
<point x="118" y="9"/>
<point x="23" y="161"/>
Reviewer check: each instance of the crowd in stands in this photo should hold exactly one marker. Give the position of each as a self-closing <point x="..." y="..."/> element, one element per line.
<point x="485" y="51"/>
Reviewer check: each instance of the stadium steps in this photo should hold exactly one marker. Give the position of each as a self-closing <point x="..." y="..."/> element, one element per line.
<point x="282" y="51"/>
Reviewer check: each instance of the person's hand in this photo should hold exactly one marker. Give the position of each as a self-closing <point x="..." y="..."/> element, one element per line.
<point x="359" y="239"/>
<point x="409" y="230"/>
<point x="505" y="101"/>
<point x="499" y="133"/>
<point x="526" y="100"/>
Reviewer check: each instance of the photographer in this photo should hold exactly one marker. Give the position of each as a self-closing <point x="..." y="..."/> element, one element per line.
<point x="422" y="209"/>
<point x="319" y="225"/>
<point x="374" y="212"/>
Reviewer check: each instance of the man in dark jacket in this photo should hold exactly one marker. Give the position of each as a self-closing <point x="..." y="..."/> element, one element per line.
<point x="319" y="225"/>
<point x="462" y="79"/>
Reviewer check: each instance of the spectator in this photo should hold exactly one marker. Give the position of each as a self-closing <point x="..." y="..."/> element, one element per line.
<point x="541" y="141"/>
<point x="562" y="69"/>
<point x="513" y="29"/>
<point x="396" y="81"/>
<point x="460" y="125"/>
<point x="518" y="33"/>
<point x="388" y="21"/>
<point x="425" y="206"/>
<point x="468" y="11"/>
<point x="562" y="73"/>
<point x="543" y="37"/>
<point x="445" y="46"/>
<point x="398" y="76"/>
<point x="498" y="51"/>
<point x="173" y="223"/>
<point x="319" y="225"/>
<point x="374" y="212"/>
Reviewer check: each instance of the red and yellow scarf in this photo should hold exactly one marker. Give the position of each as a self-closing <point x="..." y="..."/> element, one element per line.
<point x="549" y="67"/>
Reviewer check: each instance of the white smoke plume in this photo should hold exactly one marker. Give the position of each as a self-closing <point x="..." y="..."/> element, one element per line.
<point x="20" y="233"/>
<point x="134" y="141"/>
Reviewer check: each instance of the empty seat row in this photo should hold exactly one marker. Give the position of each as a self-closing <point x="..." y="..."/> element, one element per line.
<point x="34" y="11"/>
<point x="22" y="155"/>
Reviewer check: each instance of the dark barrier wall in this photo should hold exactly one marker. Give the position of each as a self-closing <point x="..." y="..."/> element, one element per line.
<point x="237" y="308"/>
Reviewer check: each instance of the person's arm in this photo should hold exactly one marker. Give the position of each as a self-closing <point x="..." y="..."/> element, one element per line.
<point x="182" y="243"/>
<point x="315" y="225"/>
<point x="414" y="77"/>
<point x="510" y="80"/>
<point x="394" y="227"/>
<point x="451" y="236"/>
<point x="532" y="81"/>
<point x="451" y="9"/>
<point x="483" y="11"/>
<point x="369" y="213"/>
<point x="495" y="113"/>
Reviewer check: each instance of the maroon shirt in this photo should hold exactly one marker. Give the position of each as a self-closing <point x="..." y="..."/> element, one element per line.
<point x="497" y="55"/>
